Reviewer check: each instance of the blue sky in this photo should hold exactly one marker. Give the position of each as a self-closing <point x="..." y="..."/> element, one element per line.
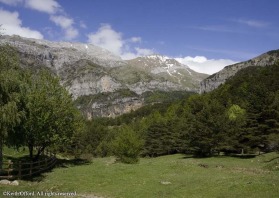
<point x="206" y="35"/>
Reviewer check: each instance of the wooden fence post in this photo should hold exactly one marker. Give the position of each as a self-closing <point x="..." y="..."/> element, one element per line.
<point x="31" y="167"/>
<point x="19" y="169"/>
<point x="39" y="164"/>
<point x="10" y="165"/>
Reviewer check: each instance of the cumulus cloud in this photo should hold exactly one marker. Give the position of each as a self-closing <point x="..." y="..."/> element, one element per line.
<point x="11" y="2"/>
<point x="108" y="38"/>
<point x="13" y="25"/>
<point x="66" y="24"/>
<point x="56" y="12"/>
<point x="135" y="39"/>
<point x="48" y="6"/>
<point x="127" y="55"/>
<point x="203" y="65"/>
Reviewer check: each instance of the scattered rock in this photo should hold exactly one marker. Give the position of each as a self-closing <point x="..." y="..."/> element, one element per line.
<point x="165" y="182"/>
<point x="5" y="182"/>
<point x="203" y="165"/>
<point x="14" y="183"/>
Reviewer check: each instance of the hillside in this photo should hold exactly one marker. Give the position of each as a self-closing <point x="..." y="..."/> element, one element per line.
<point x="102" y="83"/>
<point x="215" y="80"/>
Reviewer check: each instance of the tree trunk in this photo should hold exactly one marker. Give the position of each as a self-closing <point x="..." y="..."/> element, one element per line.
<point x="40" y="151"/>
<point x="31" y="151"/>
<point x="1" y="153"/>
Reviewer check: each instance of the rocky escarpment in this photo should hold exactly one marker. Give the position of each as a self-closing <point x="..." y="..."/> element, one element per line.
<point x="101" y="83"/>
<point x="166" y="72"/>
<point x="215" y="80"/>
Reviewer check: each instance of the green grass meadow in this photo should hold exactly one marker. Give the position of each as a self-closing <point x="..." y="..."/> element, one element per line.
<point x="167" y="176"/>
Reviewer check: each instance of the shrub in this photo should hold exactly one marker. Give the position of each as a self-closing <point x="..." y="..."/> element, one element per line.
<point x="127" y="145"/>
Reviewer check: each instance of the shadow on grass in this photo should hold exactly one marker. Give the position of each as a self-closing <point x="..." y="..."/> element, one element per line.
<point x="244" y="156"/>
<point x="38" y="177"/>
<point x="64" y="163"/>
<point x="60" y="163"/>
<point x="271" y="159"/>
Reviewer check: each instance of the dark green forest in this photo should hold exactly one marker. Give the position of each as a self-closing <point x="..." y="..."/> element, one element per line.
<point x="240" y="117"/>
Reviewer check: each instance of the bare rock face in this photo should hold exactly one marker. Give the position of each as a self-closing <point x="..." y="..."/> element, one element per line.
<point x="96" y="78"/>
<point x="116" y="107"/>
<point x="5" y="182"/>
<point x="167" y="74"/>
<point x="215" y="80"/>
<point x="14" y="183"/>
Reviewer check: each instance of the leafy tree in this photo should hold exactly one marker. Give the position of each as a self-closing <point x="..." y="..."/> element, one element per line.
<point x="127" y="145"/>
<point x="51" y="118"/>
<point x="11" y="113"/>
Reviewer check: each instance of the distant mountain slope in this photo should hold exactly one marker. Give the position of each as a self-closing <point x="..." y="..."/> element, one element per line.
<point x="102" y="83"/>
<point x="167" y="70"/>
<point x="215" y="80"/>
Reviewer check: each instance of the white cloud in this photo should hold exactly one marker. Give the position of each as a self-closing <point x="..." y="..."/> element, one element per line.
<point x="52" y="7"/>
<point x="135" y="39"/>
<point x="56" y="12"/>
<point x="137" y="52"/>
<point x="143" y="52"/>
<point x="82" y="25"/>
<point x="48" y="6"/>
<point x="108" y="38"/>
<point x="203" y="65"/>
<point x="12" y="25"/>
<point x="11" y="2"/>
<point x="252" y="23"/>
<point x="67" y="25"/>
<point x="62" y="21"/>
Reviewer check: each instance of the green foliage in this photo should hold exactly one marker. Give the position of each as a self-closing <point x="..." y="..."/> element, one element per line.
<point x="207" y="125"/>
<point x="127" y="145"/>
<point x="11" y="90"/>
<point x="35" y="110"/>
<point x="51" y="117"/>
<point x="236" y="113"/>
<point x="165" y="97"/>
<point x="254" y="91"/>
<point x="240" y="116"/>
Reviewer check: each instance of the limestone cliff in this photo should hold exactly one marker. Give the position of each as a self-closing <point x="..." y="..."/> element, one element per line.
<point x="101" y="83"/>
<point x="215" y="80"/>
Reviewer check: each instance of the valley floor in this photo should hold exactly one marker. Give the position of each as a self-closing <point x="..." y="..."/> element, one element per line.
<point x="167" y="176"/>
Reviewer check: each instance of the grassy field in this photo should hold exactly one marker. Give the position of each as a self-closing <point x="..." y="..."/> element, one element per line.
<point x="167" y="176"/>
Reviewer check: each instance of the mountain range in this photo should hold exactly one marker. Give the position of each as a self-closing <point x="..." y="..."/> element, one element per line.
<point x="101" y="83"/>
<point x="104" y="85"/>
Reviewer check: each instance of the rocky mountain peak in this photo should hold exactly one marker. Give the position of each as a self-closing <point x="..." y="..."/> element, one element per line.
<point x="57" y="54"/>
<point x="157" y="60"/>
<point x="215" y="80"/>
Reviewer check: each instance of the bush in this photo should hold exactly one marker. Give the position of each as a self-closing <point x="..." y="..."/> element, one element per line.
<point x="127" y="145"/>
